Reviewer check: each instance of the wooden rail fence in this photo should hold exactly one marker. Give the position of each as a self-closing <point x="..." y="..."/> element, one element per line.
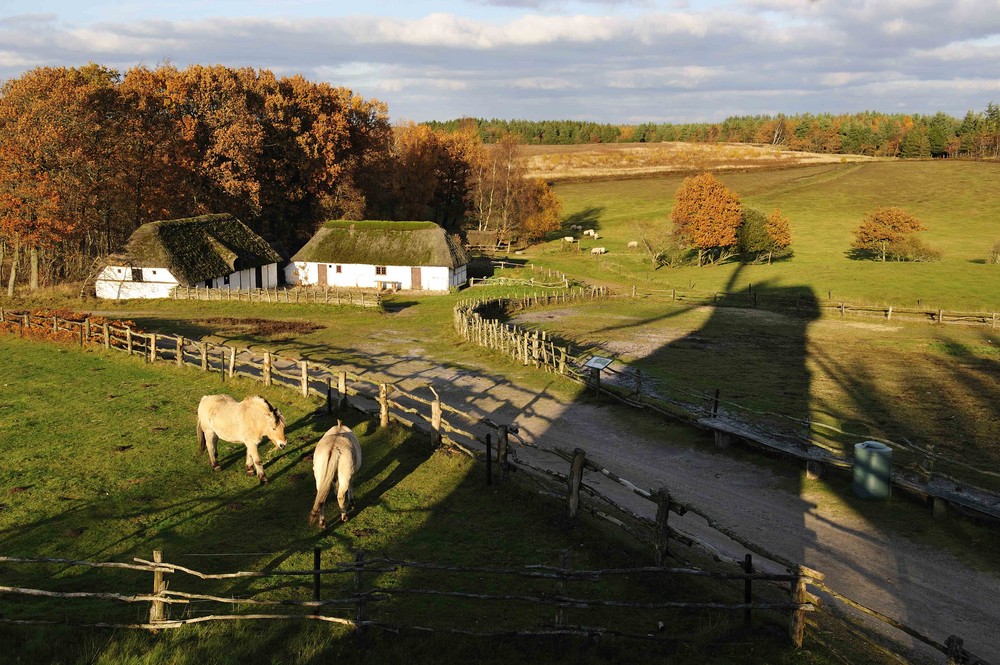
<point x="355" y="600"/>
<point x="428" y="416"/>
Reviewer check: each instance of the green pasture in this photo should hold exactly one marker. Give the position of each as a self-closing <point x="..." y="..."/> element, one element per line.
<point x="957" y="201"/>
<point x="101" y="464"/>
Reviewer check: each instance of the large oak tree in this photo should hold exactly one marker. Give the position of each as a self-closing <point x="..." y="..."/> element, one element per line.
<point x="706" y="215"/>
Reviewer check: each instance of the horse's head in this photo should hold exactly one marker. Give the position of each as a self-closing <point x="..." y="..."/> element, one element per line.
<point x="276" y="432"/>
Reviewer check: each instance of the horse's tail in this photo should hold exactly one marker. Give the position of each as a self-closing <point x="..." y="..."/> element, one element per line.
<point x="326" y="484"/>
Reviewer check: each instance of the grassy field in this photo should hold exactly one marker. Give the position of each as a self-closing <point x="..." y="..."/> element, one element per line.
<point x="101" y="464"/>
<point x="957" y="201"/>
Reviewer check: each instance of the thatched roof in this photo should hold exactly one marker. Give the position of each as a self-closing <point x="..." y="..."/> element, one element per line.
<point x="384" y="244"/>
<point x="197" y="248"/>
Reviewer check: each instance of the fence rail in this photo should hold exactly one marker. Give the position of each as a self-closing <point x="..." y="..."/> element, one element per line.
<point x="355" y="600"/>
<point x="319" y="379"/>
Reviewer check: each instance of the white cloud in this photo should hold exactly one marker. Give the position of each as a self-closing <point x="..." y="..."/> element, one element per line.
<point x="606" y="61"/>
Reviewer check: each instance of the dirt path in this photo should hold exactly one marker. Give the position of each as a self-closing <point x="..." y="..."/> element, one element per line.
<point x="927" y="589"/>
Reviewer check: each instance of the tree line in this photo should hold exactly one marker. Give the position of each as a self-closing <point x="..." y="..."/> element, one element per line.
<point x="976" y="135"/>
<point x="89" y="154"/>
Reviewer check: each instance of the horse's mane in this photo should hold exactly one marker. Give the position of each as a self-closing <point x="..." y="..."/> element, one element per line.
<point x="279" y="418"/>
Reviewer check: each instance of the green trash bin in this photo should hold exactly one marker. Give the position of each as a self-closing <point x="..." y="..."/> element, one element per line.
<point x="872" y="470"/>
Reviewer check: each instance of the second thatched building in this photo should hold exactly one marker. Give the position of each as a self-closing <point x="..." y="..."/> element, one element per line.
<point x="418" y="256"/>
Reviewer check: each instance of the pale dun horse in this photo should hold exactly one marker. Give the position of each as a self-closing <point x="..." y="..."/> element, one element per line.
<point x="246" y="422"/>
<point x="337" y="458"/>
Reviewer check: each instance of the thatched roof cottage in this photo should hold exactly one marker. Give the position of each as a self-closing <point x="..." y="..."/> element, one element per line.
<point x="417" y="256"/>
<point x="213" y="251"/>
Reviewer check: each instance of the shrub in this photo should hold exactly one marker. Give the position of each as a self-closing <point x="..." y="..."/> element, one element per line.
<point x="994" y="256"/>
<point x="912" y="249"/>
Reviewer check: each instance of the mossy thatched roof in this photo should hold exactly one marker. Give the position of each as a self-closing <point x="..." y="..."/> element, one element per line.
<point x="197" y="248"/>
<point x="384" y="244"/>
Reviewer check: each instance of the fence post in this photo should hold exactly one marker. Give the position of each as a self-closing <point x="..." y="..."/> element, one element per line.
<point x="267" y="368"/>
<point x="304" y="381"/>
<point x="157" y="608"/>
<point x="55" y="324"/>
<point x="359" y="620"/>
<point x="940" y="316"/>
<point x="232" y="360"/>
<point x="342" y="389"/>
<point x="562" y="360"/>
<point x="954" y="646"/>
<point x="489" y="459"/>
<point x="81" y="334"/>
<point x="107" y="336"/>
<point x="435" y="419"/>
<point x="383" y="405"/>
<point x="128" y="340"/>
<point x="316" y="576"/>
<point x="662" y="528"/>
<point x="747" y="589"/>
<point x="204" y="356"/>
<point x="797" y="626"/>
<point x="86" y="329"/>
<point x="575" y="478"/>
<point x="179" y="352"/>
<point x="502" y="451"/>
<point x="152" y="347"/>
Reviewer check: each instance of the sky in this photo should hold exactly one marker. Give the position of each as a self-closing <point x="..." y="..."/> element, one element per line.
<point x="615" y="61"/>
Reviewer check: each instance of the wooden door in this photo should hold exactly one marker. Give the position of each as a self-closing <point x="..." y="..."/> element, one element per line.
<point x="415" y="278"/>
<point x="259" y="275"/>
<point x="321" y="274"/>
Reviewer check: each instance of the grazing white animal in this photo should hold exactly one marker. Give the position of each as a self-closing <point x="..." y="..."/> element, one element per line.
<point x="599" y="250"/>
<point x="633" y="244"/>
<point x="588" y="232"/>
<point x="337" y="458"/>
<point x="246" y="422"/>
<point x="569" y="239"/>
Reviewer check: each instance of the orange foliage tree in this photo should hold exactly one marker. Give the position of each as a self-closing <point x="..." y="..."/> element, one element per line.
<point x="706" y="215"/>
<point x="884" y="227"/>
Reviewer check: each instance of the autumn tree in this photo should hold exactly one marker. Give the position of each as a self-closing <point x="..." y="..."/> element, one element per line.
<point x="883" y="228"/>
<point x="431" y="175"/>
<point x="540" y="210"/>
<point x="503" y="199"/>
<point x="706" y="215"/>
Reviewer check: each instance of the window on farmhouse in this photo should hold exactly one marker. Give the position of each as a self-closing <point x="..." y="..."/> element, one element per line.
<point x="379" y="270"/>
<point x="225" y="280"/>
<point x="136" y="274"/>
<point x="339" y="268"/>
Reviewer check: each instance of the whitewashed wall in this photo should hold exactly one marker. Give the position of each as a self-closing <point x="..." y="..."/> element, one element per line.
<point x="244" y="279"/>
<point x="115" y="282"/>
<point x="432" y="278"/>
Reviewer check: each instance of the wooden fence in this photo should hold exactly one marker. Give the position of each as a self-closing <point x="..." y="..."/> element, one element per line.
<point x="751" y="298"/>
<point x="355" y="603"/>
<point x="428" y="415"/>
<point x="478" y="321"/>
<point x="299" y="294"/>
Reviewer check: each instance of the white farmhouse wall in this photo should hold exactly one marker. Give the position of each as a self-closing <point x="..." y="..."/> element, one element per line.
<point x="116" y="282"/>
<point x="432" y="278"/>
